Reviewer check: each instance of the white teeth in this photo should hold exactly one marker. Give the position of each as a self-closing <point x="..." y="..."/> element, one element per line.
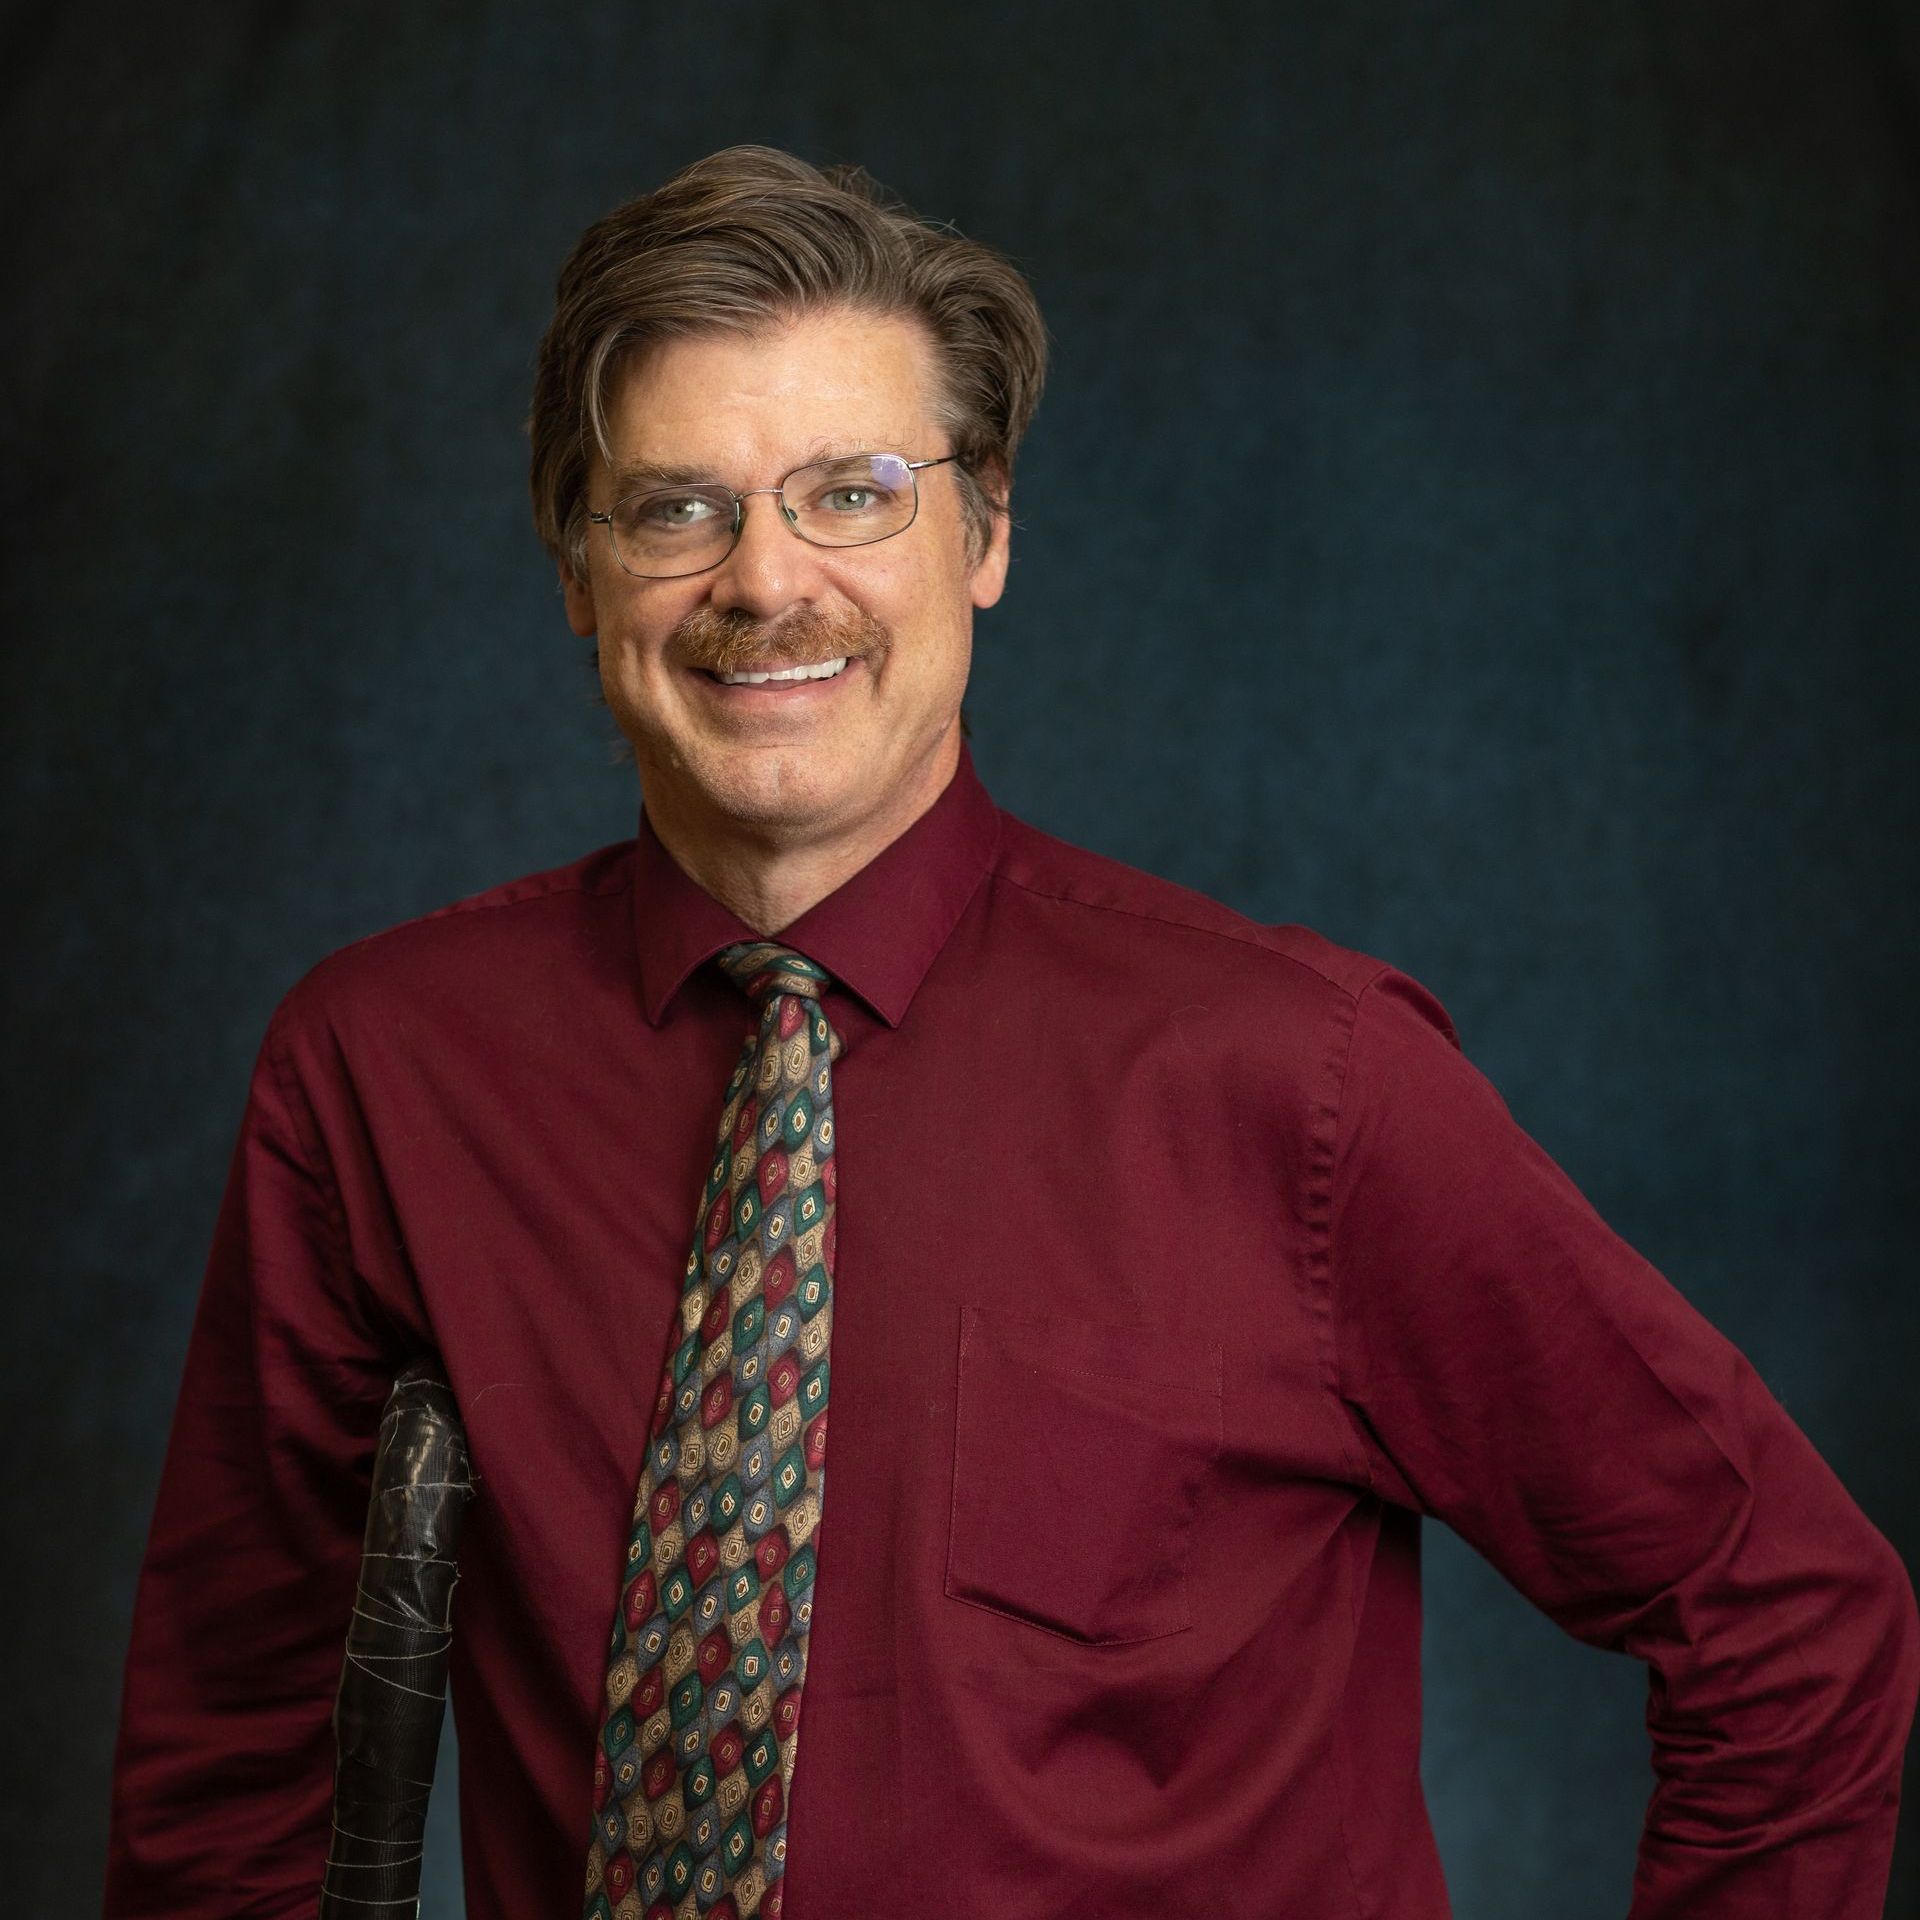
<point x="824" y="671"/>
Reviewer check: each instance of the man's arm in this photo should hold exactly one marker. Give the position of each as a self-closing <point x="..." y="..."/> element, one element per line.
<point x="224" y="1768"/>
<point x="1513" y="1367"/>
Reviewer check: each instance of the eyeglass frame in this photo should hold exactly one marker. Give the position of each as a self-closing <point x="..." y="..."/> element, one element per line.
<point x="740" y="500"/>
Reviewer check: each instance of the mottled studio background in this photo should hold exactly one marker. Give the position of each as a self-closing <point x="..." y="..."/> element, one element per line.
<point x="1562" y="647"/>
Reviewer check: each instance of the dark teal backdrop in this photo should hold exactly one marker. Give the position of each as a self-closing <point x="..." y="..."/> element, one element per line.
<point x="1555" y="368"/>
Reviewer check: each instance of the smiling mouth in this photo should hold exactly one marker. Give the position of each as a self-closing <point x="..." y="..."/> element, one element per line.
<point x="781" y="676"/>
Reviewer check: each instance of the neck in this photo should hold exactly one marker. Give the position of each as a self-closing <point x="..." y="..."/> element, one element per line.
<point x="769" y="875"/>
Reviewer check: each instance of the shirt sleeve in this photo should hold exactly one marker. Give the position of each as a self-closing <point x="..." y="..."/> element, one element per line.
<point x="1512" y="1367"/>
<point x="223" y="1772"/>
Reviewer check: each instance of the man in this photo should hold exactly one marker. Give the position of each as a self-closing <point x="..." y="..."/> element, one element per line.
<point x="1174" y="1266"/>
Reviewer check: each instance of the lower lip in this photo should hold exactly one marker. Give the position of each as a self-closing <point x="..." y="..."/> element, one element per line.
<point x="777" y="695"/>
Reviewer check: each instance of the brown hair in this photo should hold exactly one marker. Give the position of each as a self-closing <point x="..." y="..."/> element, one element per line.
<point x="745" y="239"/>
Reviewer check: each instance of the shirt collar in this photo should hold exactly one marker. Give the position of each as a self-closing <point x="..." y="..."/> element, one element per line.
<point x="876" y="933"/>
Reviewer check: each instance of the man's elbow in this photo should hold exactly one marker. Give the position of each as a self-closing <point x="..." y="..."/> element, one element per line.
<point x="1903" y="1631"/>
<point x="1878" y="1650"/>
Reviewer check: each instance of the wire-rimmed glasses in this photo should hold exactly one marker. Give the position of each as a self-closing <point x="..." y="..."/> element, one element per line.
<point x="667" y="532"/>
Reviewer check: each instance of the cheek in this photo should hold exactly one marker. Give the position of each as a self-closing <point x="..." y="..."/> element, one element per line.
<point x="919" y="602"/>
<point x="641" y="624"/>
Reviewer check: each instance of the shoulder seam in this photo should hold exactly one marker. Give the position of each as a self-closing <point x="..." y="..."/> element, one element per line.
<point x="1190" y="926"/>
<point x="318" y="1164"/>
<point x="1327" y="1158"/>
<point x="480" y="902"/>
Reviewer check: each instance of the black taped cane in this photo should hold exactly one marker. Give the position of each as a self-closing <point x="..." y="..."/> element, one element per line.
<point x="393" y="1680"/>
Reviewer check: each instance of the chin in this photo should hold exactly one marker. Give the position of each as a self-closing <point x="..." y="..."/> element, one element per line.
<point x="773" y="787"/>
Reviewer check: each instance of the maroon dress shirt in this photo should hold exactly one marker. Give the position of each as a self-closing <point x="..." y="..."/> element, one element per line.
<point x="1184" y="1264"/>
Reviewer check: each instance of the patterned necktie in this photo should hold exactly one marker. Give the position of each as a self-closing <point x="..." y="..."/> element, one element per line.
<point x="702" y="1709"/>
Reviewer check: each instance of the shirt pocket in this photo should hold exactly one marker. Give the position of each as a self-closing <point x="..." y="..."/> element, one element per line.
<point x="1079" y="1452"/>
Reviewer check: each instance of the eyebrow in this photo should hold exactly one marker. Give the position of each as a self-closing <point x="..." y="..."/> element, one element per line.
<point x="636" y="475"/>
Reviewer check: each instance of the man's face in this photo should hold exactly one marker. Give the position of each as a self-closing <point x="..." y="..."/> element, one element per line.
<point x="813" y="759"/>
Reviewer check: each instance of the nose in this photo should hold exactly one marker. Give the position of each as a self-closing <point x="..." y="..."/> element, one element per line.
<point x="770" y="568"/>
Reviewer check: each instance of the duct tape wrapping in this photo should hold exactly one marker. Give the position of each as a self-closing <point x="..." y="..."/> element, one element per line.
<point x="393" y="1681"/>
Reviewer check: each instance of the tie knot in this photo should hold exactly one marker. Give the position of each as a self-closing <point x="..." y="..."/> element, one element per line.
<point x="763" y="968"/>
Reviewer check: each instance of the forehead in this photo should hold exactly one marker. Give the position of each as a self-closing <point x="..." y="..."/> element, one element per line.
<point x="744" y="407"/>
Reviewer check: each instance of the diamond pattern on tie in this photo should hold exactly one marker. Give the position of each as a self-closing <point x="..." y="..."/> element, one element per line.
<point x="701" y="1719"/>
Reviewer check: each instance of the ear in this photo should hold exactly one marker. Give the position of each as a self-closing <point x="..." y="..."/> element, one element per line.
<point x="989" y="577"/>
<point x="579" y="598"/>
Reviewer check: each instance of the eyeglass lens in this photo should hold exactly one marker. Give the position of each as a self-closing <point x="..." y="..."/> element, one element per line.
<point x="834" y="503"/>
